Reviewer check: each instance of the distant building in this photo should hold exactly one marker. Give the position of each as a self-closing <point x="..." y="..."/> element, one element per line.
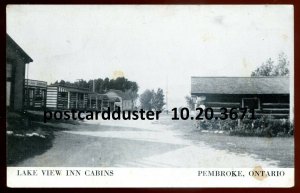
<point x="16" y="59"/>
<point x="121" y="100"/>
<point x="69" y="97"/>
<point x="267" y="95"/>
<point x="98" y="101"/>
<point x="35" y="94"/>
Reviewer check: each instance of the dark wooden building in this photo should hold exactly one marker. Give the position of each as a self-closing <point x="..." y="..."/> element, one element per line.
<point x="35" y="94"/>
<point x="267" y="95"/>
<point x="16" y="59"/>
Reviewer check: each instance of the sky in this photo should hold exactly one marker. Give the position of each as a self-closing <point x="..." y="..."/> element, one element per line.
<point x="156" y="46"/>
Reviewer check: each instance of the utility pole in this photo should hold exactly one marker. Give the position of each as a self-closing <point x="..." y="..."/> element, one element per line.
<point x="26" y="87"/>
<point x="167" y="97"/>
<point x="93" y="85"/>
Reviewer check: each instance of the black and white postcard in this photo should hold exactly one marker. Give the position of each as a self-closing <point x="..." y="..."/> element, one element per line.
<point x="150" y="95"/>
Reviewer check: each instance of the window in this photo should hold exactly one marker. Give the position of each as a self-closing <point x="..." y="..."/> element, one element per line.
<point x="8" y="70"/>
<point x="251" y="103"/>
<point x="8" y="90"/>
<point x="63" y="94"/>
<point x="80" y="96"/>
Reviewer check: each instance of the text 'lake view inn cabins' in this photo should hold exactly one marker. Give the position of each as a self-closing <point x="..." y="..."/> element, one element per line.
<point x="267" y="95"/>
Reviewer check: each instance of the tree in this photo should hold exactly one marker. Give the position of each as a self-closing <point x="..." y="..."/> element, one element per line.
<point x="133" y="96"/>
<point x="282" y="68"/>
<point x="81" y="84"/>
<point x="103" y="85"/>
<point x="150" y="99"/>
<point x="189" y="102"/>
<point x="106" y="85"/>
<point x="158" y="99"/>
<point x="266" y="69"/>
<point x="269" y="69"/>
<point x="146" y="100"/>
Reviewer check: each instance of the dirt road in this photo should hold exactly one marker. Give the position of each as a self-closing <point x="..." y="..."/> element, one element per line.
<point x="137" y="144"/>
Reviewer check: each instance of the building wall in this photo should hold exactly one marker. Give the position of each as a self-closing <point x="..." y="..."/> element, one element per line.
<point x="35" y="94"/>
<point x="51" y="99"/>
<point x="19" y="85"/>
<point x="16" y="58"/>
<point x="276" y="105"/>
<point x="59" y="97"/>
<point x="16" y="84"/>
<point x="126" y="104"/>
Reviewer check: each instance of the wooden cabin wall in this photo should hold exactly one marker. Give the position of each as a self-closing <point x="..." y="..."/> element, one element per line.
<point x="81" y="99"/>
<point x="276" y="105"/>
<point x="35" y="97"/>
<point x="62" y="99"/>
<point x="270" y="104"/>
<point x="72" y="101"/>
<point x="86" y="97"/>
<point x="92" y="103"/>
<point x="51" y="99"/>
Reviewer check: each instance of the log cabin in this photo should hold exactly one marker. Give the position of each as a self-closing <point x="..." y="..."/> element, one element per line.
<point x="267" y="95"/>
<point x="16" y="60"/>
<point x="66" y="97"/>
<point x="35" y="94"/>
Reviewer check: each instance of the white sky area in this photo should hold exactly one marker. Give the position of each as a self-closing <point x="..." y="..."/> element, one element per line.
<point x="152" y="45"/>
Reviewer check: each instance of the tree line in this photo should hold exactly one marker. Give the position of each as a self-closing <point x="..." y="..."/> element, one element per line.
<point x="149" y="99"/>
<point x="101" y="86"/>
<point x="269" y="68"/>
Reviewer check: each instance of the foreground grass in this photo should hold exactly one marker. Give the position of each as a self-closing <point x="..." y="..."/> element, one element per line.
<point x="27" y="137"/>
<point x="20" y="148"/>
<point x="280" y="149"/>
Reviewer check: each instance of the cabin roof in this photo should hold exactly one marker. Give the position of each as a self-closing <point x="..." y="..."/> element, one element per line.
<point x="101" y="96"/>
<point x="240" y="85"/>
<point x="67" y="88"/>
<point x="104" y="96"/>
<point x="113" y="92"/>
<point x="12" y="46"/>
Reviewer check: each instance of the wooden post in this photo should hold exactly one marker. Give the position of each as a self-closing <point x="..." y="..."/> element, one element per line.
<point x="85" y="98"/>
<point x="90" y="101"/>
<point x="96" y="101"/>
<point x="121" y="106"/>
<point x="76" y="100"/>
<point x="69" y="97"/>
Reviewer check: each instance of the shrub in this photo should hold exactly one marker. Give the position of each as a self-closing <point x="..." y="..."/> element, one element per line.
<point x="265" y="126"/>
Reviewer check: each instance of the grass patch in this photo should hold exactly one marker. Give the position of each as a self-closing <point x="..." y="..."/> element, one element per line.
<point x="27" y="136"/>
<point x="21" y="147"/>
<point x="280" y="149"/>
<point x="265" y="126"/>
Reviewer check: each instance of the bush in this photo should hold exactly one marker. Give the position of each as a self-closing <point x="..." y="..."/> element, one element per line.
<point x="265" y="126"/>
